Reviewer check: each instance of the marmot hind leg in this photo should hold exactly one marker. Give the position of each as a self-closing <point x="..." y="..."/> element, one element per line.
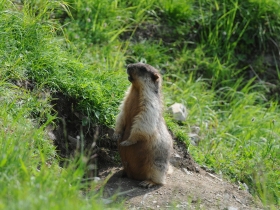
<point x="158" y="177"/>
<point x="152" y="182"/>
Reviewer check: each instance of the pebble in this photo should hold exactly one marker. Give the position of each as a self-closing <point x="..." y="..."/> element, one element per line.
<point x="96" y="179"/>
<point x="232" y="208"/>
<point x="186" y="171"/>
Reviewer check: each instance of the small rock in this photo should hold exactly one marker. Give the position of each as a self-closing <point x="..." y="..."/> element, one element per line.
<point x="195" y="129"/>
<point x="106" y="201"/>
<point x="239" y="201"/>
<point x="213" y="176"/>
<point x="232" y="208"/>
<point x="96" y="179"/>
<point x="176" y="160"/>
<point x="194" y="138"/>
<point x="246" y="187"/>
<point x="74" y="141"/>
<point x="51" y="135"/>
<point x="243" y="186"/>
<point x="186" y="171"/>
<point x="179" y="111"/>
<point x="177" y="155"/>
<point x="144" y="197"/>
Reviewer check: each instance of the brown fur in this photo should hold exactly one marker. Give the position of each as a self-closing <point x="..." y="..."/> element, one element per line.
<point x="144" y="142"/>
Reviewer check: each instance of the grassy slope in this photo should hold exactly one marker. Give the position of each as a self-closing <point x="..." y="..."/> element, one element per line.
<point x="30" y="175"/>
<point x="203" y="48"/>
<point x="36" y="61"/>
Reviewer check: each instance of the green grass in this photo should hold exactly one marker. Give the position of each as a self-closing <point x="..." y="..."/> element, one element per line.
<point x="35" y="64"/>
<point x="31" y="51"/>
<point x="31" y="177"/>
<point x="214" y="58"/>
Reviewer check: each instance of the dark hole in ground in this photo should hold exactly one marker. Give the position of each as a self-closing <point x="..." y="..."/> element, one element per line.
<point x="72" y="136"/>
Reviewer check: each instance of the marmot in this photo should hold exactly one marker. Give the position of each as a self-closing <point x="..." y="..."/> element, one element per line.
<point x="144" y="143"/>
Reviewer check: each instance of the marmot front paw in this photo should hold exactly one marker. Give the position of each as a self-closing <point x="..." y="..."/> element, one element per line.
<point x="147" y="184"/>
<point x="116" y="136"/>
<point x="127" y="143"/>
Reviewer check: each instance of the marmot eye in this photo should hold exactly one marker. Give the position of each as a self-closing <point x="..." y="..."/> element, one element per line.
<point x="143" y="69"/>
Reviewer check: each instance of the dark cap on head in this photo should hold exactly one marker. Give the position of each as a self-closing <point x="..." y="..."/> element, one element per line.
<point x="142" y="68"/>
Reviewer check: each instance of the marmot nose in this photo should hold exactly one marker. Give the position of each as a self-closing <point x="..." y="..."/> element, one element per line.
<point x="129" y="68"/>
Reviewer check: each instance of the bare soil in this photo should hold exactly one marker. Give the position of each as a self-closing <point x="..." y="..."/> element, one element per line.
<point x="188" y="187"/>
<point x="184" y="190"/>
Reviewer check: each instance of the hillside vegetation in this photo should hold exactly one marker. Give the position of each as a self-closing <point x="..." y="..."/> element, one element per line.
<point x="218" y="57"/>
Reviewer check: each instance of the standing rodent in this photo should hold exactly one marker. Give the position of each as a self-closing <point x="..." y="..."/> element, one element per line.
<point x="144" y="143"/>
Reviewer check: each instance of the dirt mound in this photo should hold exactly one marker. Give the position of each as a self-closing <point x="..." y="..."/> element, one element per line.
<point x="188" y="187"/>
<point x="184" y="190"/>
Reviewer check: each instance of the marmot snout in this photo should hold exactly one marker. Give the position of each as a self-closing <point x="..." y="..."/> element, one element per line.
<point x="144" y="143"/>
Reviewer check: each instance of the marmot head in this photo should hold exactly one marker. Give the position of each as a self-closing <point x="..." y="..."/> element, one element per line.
<point x="143" y="75"/>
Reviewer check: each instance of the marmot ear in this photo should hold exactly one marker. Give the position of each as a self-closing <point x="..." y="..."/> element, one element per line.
<point x="155" y="76"/>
